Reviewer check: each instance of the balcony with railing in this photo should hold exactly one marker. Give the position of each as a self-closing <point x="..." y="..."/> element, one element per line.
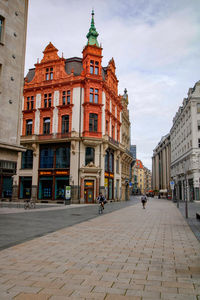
<point x="42" y="137"/>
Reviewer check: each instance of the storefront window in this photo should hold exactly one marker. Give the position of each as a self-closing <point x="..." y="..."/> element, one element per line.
<point x="60" y="183"/>
<point x="25" y="187"/>
<point x="62" y="157"/>
<point x="110" y="190"/>
<point x="46" y="158"/>
<point x="45" y="187"/>
<point x="7" y="187"/>
<point x="27" y="159"/>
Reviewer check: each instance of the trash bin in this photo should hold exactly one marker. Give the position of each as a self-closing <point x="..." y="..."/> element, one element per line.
<point x="67" y="201"/>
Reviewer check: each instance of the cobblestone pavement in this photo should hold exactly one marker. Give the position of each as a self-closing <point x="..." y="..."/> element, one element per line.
<point x="18" y="225"/>
<point x="131" y="253"/>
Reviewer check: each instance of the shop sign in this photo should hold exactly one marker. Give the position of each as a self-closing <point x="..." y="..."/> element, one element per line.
<point x="45" y="173"/>
<point x="109" y="175"/>
<point x="89" y="183"/>
<point x="68" y="192"/>
<point x="62" y="172"/>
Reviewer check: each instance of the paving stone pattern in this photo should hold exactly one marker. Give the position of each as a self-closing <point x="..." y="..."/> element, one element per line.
<point x="131" y="253"/>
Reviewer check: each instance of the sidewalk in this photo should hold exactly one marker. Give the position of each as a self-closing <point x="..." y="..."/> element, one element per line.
<point x="193" y="208"/>
<point x="132" y="253"/>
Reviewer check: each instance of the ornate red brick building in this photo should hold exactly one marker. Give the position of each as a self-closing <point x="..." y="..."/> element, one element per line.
<point x="71" y="126"/>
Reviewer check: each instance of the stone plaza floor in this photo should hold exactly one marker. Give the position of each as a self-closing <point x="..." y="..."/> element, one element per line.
<point x="131" y="253"/>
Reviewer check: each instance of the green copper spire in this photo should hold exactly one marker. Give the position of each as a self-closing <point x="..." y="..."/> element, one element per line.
<point x="92" y="34"/>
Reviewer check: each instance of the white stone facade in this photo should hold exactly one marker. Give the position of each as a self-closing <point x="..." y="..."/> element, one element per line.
<point x="185" y="147"/>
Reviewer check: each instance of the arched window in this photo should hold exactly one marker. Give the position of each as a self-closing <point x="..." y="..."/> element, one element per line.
<point x="89" y="155"/>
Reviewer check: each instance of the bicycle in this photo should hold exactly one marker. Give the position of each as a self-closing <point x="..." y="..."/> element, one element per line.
<point x="100" y="208"/>
<point x="29" y="204"/>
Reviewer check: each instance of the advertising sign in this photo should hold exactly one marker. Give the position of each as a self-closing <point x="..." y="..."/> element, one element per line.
<point x="172" y="185"/>
<point x="68" y="192"/>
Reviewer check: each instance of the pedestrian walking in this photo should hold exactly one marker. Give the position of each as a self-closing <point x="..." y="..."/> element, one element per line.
<point x="144" y="201"/>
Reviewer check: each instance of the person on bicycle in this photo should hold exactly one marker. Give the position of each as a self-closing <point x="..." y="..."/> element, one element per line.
<point x="101" y="199"/>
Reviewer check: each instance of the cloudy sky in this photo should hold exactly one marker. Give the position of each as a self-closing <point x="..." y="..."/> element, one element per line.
<point x="155" y="45"/>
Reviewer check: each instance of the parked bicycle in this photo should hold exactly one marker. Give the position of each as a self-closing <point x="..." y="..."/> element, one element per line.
<point x="29" y="204"/>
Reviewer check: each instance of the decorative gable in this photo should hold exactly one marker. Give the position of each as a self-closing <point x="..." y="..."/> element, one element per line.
<point x="50" y="53"/>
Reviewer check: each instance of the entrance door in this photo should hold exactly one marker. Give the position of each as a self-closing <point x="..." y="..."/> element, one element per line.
<point x="25" y="187"/>
<point x="89" y="191"/>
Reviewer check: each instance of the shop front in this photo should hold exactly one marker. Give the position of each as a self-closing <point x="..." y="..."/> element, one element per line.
<point x="53" y="174"/>
<point x="109" y="183"/>
<point x="52" y="185"/>
<point x="7" y="170"/>
<point x="89" y="191"/>
<point x="25" y="183"/>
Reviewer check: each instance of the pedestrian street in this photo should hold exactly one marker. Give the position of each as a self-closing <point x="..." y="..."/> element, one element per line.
<point x="131" y="253"/>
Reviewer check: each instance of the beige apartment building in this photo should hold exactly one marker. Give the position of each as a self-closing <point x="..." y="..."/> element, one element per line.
<point x="143" y="178"/>
<point x="13" y="27"/>
<point x="147" y="180"/>
<point x="127" y="158"/>
<point x="161" y="166"/>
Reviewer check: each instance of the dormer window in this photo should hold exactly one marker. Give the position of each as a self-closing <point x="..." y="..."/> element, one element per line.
<point x="49" y="73"/>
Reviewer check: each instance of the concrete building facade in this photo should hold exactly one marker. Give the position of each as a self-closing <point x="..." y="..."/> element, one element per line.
<point x="72" y="128"/>
<point x="13" y="27"/>
<point x="185" y="147"/>
<point x="161" y="166"/>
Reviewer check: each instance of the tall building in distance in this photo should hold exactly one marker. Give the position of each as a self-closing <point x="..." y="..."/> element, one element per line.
<point x="161" y="166"/>
<point x="13" y="27"/>
<point x="141" y="178"/>
<point x="72" y="128"/>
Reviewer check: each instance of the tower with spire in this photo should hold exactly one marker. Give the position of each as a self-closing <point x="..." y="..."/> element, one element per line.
<point x="92" y="52"/>
<point x="92" y="34"/>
